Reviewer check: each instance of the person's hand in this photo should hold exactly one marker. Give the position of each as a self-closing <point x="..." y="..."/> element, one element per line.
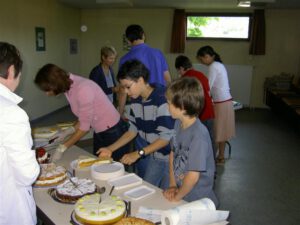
<point x="65" y="133"/>
<point x="170" y="193"/>
<point x="104" y="152"/>
<point x="59" y="151"/>
<point x="130" y="158"/>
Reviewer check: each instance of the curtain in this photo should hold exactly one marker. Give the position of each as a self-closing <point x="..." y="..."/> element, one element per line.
<point x="178" y="31"/>
<point x="258" y="33"/>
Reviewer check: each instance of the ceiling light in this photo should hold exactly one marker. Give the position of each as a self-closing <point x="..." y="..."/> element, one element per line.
<point x="242" y="3"/>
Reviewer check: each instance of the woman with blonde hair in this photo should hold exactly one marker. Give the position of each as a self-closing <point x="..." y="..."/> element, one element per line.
<point x="103" y="73"/>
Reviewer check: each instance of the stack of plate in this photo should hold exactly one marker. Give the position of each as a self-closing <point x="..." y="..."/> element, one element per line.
<point x="107" y="171"/>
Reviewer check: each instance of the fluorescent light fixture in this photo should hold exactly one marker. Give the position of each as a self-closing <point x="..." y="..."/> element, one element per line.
<point x="125" y="2"/>
<point x="242" y="3"/>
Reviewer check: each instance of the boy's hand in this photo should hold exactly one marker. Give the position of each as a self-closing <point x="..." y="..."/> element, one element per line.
<point x="104" y="152"/>
<point x="130" y="158"/>
<point x="170" y="193"/>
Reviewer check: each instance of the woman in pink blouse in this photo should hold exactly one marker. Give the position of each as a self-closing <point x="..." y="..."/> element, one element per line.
<point x="89" y="103"/>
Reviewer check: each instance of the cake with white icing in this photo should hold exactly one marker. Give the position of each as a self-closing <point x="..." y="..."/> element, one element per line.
<point x="110" y="210"/>
<point x="50" y="175"/>
<point x="72" y="191"/>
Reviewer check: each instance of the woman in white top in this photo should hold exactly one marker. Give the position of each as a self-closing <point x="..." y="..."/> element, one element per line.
<point x="18" y="165"/>
<point x="224" y="124"/>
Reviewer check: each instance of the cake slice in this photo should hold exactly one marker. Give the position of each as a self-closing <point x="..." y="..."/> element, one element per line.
<point x="84" y="161"/>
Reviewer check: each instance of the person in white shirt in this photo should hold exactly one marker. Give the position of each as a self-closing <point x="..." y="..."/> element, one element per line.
<point x="224" y="124"/>
<point x="18" y="165"/>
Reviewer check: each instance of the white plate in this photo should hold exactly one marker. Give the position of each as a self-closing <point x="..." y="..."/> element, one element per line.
<point x="139" y="192"/>
<point x="105" y="171"/>
<point x="126" y="181"/>
<point x="74" y="166"/>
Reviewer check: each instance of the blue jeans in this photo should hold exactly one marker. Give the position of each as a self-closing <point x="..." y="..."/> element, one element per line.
<point x="108" y="137"/>
<point x="153" y="170"/>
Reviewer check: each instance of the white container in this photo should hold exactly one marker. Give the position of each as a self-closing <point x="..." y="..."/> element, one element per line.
<point x="107" y="170"/>
<point x="126" y="181"/>
<point x="139" y="192"/>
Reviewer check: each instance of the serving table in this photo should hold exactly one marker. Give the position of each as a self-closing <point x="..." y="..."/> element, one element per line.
<point x="52" y="212"/>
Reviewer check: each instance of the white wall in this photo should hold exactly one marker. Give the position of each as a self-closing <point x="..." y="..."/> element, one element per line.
<point x="18" y="20"/>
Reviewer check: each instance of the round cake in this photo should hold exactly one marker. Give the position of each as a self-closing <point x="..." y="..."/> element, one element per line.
<point x="134" y="221"/>
<point x="89" y="211"/>
<point x="50" y="175"/>
<point x="72" y="191"/>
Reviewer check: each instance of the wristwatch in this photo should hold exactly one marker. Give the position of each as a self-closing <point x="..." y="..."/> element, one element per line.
<point x="141" y="152"/>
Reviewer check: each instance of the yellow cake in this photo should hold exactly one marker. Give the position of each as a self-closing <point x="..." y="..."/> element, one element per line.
<point x="89" y="211"/>
<point x="84" y="161"/>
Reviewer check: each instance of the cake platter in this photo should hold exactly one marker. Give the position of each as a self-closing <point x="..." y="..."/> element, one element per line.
<point x="52" y="193"/>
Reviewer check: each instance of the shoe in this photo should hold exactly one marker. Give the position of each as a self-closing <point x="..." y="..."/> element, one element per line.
<point x="220" y="161"/>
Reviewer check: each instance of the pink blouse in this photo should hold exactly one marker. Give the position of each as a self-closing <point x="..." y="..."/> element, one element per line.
<point x="91" y="105"/>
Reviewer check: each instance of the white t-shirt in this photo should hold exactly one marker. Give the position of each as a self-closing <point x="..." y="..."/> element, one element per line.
<point x="218" y="82"/>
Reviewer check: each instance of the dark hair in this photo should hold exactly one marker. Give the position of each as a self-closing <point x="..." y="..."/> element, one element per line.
<point x="133" y="70"/>
<point x="9" y="55"/>
<point x="52" y="78"/>
<point x="186" y="93"/>
<point x="183" y="61"/>
<point x="134" y="32"/>
<point x="208" y="50"/>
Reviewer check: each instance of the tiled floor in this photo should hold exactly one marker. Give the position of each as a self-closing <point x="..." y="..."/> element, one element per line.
<point x="260" y="183"/>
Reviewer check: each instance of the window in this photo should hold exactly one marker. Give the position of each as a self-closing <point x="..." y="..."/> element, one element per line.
<point x="230" y="26"/>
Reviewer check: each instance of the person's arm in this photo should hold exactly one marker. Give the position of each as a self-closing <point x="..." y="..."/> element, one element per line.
<point x="16" y="146"/>
<point x="172" y="190"/>
<point x="171" y="170"/>
<point x="212" y="75"/>
<point x="130" y="158"/>
<point x="167" y="77"/>
<point x="74" y="138"/>
<point x="189" y="181"/>
<point x="123" y="140"/>
<point x="122" y="97"/>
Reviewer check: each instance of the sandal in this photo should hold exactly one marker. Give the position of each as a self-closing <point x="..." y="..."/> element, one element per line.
<point x="220" y="161"/>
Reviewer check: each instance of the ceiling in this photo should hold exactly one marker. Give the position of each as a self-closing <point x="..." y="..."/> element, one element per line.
<point x="180" y="4"/>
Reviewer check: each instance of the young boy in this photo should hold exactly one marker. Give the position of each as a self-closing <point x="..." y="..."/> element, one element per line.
<point x="192" y="165"/>
<point x="150" y="124"/>
<point x="185" y="68"/>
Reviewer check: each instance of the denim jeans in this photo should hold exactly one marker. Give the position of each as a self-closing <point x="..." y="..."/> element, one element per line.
<point x="152" y="169"/>
<point x="108" y="137"/>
